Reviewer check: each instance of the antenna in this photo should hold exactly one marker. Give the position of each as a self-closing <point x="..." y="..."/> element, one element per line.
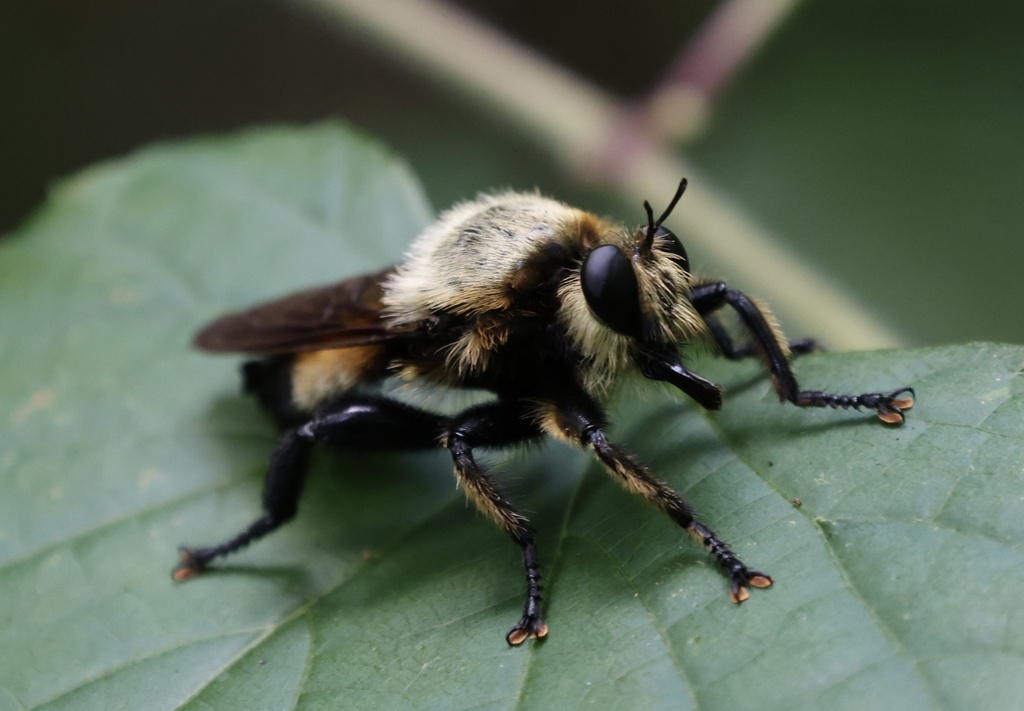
<point x="652" y="225"/>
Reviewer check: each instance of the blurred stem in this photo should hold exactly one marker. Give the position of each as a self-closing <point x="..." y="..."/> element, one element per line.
<point x="603" y="141"/>
<point x="677" y="107"/>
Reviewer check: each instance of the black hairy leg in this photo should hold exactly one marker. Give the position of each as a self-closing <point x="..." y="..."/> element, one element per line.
<point x="708" y="297"/>
<point x="576" y="418"/>
<point x="496" y="425"/>
<point x="375" y="423"/>
<point x="368" y="423"/>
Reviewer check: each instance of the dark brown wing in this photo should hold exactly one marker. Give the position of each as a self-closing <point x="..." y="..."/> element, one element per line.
<point x="337" y="316"/>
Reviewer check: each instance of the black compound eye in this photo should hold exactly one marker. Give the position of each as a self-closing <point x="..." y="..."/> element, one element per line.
<point x="671" y="244"/>
<point x="610" y="288"/>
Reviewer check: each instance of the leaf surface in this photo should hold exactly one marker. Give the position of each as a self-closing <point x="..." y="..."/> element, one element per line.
<point x="896" y="576"/>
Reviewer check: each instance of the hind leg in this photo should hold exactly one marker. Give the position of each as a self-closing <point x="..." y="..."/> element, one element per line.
<point x="368" y="423"/>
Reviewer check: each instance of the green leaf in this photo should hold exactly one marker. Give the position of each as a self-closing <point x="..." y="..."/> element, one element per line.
<point x="896" y="577"/>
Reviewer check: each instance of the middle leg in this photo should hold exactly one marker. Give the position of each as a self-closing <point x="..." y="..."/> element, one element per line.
<point x="496" y="425"/>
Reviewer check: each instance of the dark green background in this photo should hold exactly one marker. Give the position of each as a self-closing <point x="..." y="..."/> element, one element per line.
<point x="883" y="140"/>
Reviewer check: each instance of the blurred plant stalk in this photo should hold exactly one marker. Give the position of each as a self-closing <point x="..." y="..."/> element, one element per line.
<point x="630" y="148"/>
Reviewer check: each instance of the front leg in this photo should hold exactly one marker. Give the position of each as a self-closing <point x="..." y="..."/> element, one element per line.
<point x="771" y="346"/>
<point x="728" y="349"/>
<point x="578" y="420"/>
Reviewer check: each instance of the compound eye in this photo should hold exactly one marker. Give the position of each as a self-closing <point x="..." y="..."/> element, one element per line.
<point x="610" y="288"/>
<point x="671" y="244"/>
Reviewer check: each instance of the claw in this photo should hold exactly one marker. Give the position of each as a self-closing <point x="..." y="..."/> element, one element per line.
<point x="891" y="409"/>
<point x="188" y="567"/>
<point x="738" y="586"/>
<point x="904" y="403"/>
<point x="530" y="627"/>
<point x="891" y="416"/>
<point x="738" y="594"/>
